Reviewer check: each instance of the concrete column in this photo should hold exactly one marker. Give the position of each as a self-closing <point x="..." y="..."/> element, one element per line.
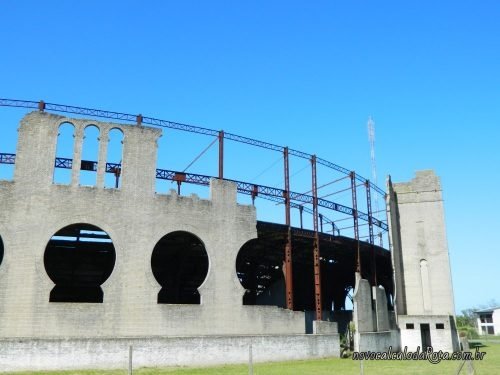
<point x="418" y="235"/>
<point x="139" y="161"/>
<point x="382" y="312"/>
<point x="363" y="313"/>
<point x="36" y="150"/>
<point x="103" y="151"/>
<point x="77" y="155"/>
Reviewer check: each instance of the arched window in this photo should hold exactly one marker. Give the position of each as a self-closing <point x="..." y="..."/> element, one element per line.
<point x="90" y="155"/>
<point x="114" y="158"/>
<point x="180" y="265"/>
<point x="64" y="153"/>
<point x="79" y="258"/>
<point x="426" y="292"/>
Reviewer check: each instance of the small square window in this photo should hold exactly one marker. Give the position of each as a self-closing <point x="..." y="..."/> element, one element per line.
<point x="410" y="326"/>
<point x="439" y="326"/>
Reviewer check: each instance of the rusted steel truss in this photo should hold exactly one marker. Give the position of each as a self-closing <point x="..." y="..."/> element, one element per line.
<point x="248" y="188"/>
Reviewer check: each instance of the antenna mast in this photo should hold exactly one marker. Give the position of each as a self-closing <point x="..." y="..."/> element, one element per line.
<point x="371" y="138"/>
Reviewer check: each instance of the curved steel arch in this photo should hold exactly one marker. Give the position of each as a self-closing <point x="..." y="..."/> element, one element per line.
<point x="41" y="105"/>
<point x="296" y="200"/>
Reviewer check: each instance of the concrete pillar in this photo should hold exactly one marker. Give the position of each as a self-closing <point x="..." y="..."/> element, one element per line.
<point x="382" y="313"/>
<point x="420" y="249"/>
<point x="363" y="313"/>
<point x="77" y="156"/>
<point x="103" y="151"/>
<point x="36" y="150"/>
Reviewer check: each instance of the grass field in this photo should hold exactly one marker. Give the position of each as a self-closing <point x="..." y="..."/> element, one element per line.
<point x="489" y="366"/>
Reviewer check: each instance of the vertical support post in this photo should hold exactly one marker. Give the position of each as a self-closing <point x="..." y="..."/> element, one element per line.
<point x="221" y="154"/>
<point x="316" y="260"/>
<point x="101" y="158"/>
<point x="254" y="194"/>
<point x="288" y="245"/>
<point x="355" y="218"/>
<point x="41" y="106"/>
<point x="138" y="119"/>
<point x="250" y="359"/>
<point x="117" y="172"/>
<point x="301" y="210"/>
<point x="370" y="229"/>
<point x="130" y="360"/>
<point x="321" y="223"/>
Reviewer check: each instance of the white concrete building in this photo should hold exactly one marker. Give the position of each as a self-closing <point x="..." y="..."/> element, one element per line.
<point x="488" y="321"/>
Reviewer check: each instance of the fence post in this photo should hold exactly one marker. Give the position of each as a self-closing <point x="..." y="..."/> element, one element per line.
<point x="250" y="359"/>
<point x="130" y="360"/>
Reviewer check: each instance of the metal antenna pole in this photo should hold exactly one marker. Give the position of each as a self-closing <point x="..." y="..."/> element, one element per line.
<point x="371" y="138"/>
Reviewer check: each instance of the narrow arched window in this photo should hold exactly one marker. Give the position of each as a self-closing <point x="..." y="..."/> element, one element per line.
<point x="426" y="291"/>
<point x="90" y="155"/>
<point x="114" y="159"/>
<point x="64" y="154"/>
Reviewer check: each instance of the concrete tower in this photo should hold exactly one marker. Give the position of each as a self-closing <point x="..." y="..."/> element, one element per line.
<point x="424" y="293"/>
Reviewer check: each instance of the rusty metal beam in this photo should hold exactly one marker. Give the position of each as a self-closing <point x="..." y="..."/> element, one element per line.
<point x="288" y="245"/>
<point x="221" y="154"/>
<point x="356" y="223"/>
<point x="370" y="231"/>
<point x="316" y="253"/>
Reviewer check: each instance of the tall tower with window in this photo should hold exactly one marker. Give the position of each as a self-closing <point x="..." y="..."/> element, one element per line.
<point x="423" y="286"/>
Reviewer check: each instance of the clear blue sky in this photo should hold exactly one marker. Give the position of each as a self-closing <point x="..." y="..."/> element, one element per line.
<point x="306" y="76"/>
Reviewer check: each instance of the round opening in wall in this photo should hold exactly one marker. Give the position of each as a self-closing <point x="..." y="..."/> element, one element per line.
<point x="180" y="265"/>
<point x="1" y="250"/>
<point x="79" y="258"/>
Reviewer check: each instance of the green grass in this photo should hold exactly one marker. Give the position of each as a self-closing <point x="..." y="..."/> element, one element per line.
<point x="489" y="366"/>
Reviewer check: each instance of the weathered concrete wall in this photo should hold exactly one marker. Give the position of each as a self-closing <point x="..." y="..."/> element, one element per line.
<point x="424" y="292"/>
<point x="322" y="327"/>
<point x="381" y="311"/>
<point x="34" y="209"/>
<point x="396" y="254"/>
<point x="112" y="353"/>
<point x="377" y="341"/>
<point x="441" y="339"/>
<point x="363" y="314"/>
<point x="420" y="248"/>
<point x="373" y="332"/>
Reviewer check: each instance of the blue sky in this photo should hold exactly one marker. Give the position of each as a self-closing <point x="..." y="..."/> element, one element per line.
<point x="291" y="73"/>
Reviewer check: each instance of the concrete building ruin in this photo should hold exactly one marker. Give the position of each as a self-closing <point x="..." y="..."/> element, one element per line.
<point x="93" y="267"/>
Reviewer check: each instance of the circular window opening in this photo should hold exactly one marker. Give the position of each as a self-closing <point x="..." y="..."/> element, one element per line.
<point x="259" y="267"/>
<point x="79" y="258"/>
<point x="180" y="265"/>
<point x="1" y="250"/>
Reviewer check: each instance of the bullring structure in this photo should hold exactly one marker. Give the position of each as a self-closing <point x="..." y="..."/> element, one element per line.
<point x="190" y="280"/>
